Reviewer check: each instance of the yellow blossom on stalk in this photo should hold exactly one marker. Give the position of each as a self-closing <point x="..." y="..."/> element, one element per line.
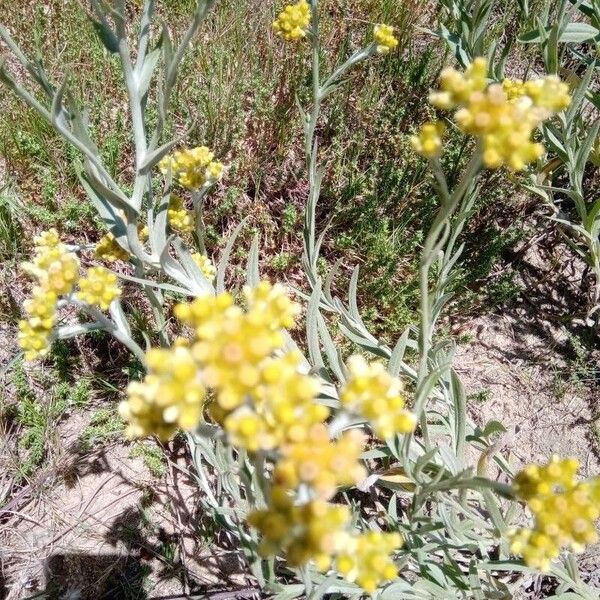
<point x="205" y="265"/>
<point x="293" y="21"/>
<point x="565" y="511"/>
<point x="456" y="87"/>
<point x="99" y="287"/>
<point x="56" y="271"/>
<point x="283" y="407"/>
<point x="34" y="332"/>
<point x="504" y="116"/>
<point x="428" y="142"/>
<point x="192" y="168"/>
<point x="385" y="38"/>
<point x="180" y="218"/>
<point x="320" y="462"/>
<point x="514" y="88"/>
<point x="171" y="395"/>
<point x="231" y="343"/>
<point x="35" y="341"/>
<point x="377" y="396"/>
<point x="108" y="249"/>
<point x="309" y="532"/>
<point x="366" y="559"/>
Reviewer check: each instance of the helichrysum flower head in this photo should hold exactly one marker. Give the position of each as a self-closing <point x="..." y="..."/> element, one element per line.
<point x="366" y="559"/>
<point x="205" y="265"/>
<point x="384" y="38"/>
<point x="428" y="142"/>
<point x="192" y="168"/>
<point x="377" y="396"/>
<point x="456" y="87"/>
<point x="34" y="331"/>
<point x="170" y="397"/>
<point x="180" y="218"/>
<point x="283" y="407"/>
<point x="98" y="288"/>
<point x="321" y="463"/>
<point x="108" y="249"/>
<point x="504" y="116"/>
<point x="565" y="511"/>
<point x="309" y="532"/>
<point x="293" y="21"/>
<point x="56" y="271"/>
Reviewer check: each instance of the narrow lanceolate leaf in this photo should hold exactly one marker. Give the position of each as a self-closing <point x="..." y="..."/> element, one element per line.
<point x="312" y="330"/>
<point x="224" y="262"/>
<point x="252" y="272"/>
<point x="395" y="362"/>
<point x="145" y="77"/>
<point x="572" y="33"/>
<point x="460" y="416"/>
<point x="107" y="36"/>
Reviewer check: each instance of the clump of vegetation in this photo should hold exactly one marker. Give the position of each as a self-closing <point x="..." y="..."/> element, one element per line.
<point x="340" y="460"/>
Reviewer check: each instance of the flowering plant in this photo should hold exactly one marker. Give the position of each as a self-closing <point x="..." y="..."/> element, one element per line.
<point x="362" y="472"/>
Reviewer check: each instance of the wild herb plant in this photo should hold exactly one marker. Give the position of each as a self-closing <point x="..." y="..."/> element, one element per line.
<point x="565" y="35"/>
<point x="338" y="475"/>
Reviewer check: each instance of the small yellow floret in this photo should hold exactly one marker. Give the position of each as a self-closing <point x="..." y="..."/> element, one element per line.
<point x="428" y="142"/>
<point x="293" y="21"/>
<point x="309" y="532"/>
<point x="170" y="397"/>
<point x="192" y="168"/>
<point x="180" y="218"/>
<point x="321" y="463"/>
<point x="205" y="265"/>
<point x="377" y="396"/>
<point x="565" y="510"/>
<point x="385" y="38"/>
<point x="366" y="559"/>
<point x="98" y="288"/>
<point x="108" y="249"/>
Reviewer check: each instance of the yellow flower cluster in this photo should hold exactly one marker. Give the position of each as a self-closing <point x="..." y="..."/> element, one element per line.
<point x="293" y="21"/>
<point x="377" y="396"/>
<point x="366" y="559"/>
<point x="283" y="407"/>
<point x="428" y="142"/>
<point x="312" y="531"/>
<point x="98" y="287"/>
<point x="170" y="397"/>
<point x="192" y="168"/>
<point x="384" y="38"/>
<point x="56" y="271"/>
<point x="205" y="265"/>
<point x="262" y="400"/>
<point x="549" y="93"/>
<point x="108" y="249"/>
<point x="180" y="218"/>
<point x="321" y="463"/>
<point x="565" y="511"/>
<point x="504" y="116"/>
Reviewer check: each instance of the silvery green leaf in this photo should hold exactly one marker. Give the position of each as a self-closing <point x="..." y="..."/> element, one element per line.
<point x="572" y="33"/>
<point x="366" y="344"/>
<point x="289" y="592"/>
<point x="119" y="318"/>
<point x="312" y="332"/>
<point x="224" y="261"/>
<point x="70" y="331"/>
<point x="395" y="362"/>
<point x="145" y="76"/>
<point x="579" y="94"/>
<point x="155" y="284"/>
<point x="252" y="272"/>
<point x="107" y="36"/>
<point x="176" y="271"/>
<point x="460" y="416"/>
<point x="584" y="150"/>
<point x="192" y="270"/>
<point x="334" y="357"/>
